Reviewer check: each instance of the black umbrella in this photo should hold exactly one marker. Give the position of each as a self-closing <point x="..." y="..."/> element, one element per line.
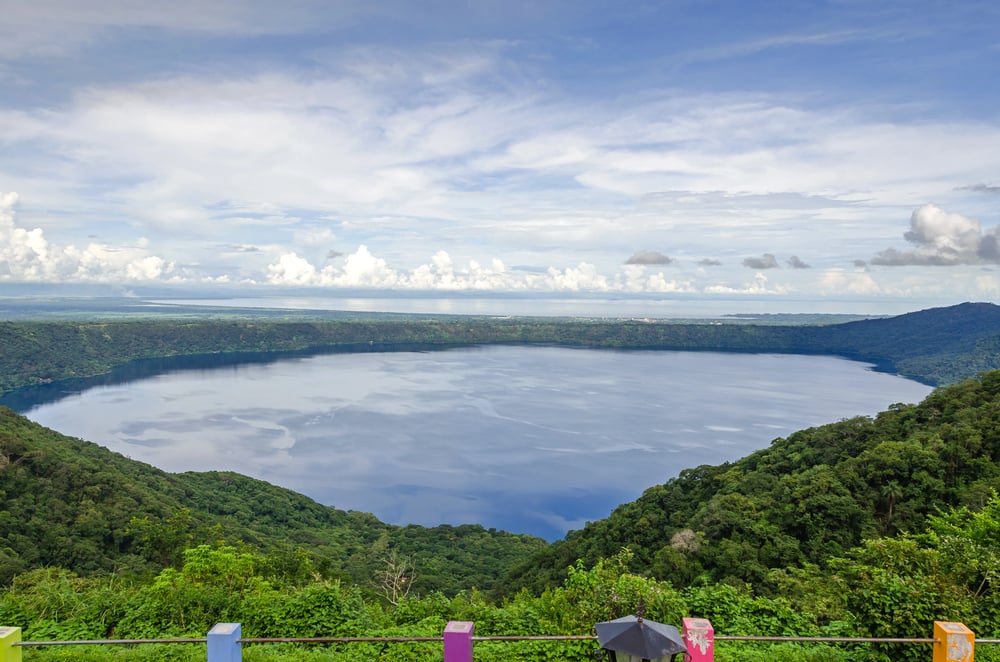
<point x="636" y="636"/>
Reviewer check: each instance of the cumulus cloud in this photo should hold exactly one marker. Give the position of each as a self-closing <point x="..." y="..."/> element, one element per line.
<point x="795" y="263"/>
<point x="942" y="238"/>
<point x="26" y="255"/>
<point x="290" y="269"/>
<point x="760" y="285"/>
<point x="648" y="257"/>
<point x="709" y="262"/>
<point x="855" y="282"/>
<point x="363" y="269"/>
<point x="637" y="279"/>
<point x="765" y="261"/>
<point x="860" y="264"/>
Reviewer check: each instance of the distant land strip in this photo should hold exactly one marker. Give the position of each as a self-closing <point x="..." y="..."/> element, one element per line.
<point x="937" y="346"/>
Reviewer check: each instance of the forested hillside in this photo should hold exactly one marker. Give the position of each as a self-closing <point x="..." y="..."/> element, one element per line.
<point x="74" y="504"/>
<point x="937" y="346"/>
<point x="804" y="499"/>
<point x="862" y="528"/>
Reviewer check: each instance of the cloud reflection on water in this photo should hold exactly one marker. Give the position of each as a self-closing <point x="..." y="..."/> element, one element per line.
<point x="529" y="439"/>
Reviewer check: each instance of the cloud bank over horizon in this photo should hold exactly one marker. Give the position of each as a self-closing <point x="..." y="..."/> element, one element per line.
<point x="342" y="146"/>
<point x="26" y="256"/>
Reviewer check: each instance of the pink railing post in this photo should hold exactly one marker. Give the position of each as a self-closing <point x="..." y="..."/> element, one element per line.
<point x="699" y="637"/>
<point x="458" y="641"/>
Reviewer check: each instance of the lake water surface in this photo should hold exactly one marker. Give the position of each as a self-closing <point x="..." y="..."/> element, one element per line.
<point x="527" y="439"/>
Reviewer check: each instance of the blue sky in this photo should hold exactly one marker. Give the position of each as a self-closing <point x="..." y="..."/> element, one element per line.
<point x="838" y="151"/>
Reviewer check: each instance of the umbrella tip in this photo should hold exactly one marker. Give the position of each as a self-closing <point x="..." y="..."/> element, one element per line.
<point x="640" y="610"/>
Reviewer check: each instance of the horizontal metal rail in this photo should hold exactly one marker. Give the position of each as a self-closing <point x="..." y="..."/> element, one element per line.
<point x="840" y="640"/>
<point x="536" y="637"/>
<point x="547" y="637"/>
<point x="333" y="640"/>
<point x="109" y="642"/>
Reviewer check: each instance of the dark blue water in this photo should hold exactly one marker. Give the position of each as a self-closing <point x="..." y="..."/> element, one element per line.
<point x="527" y="439"/>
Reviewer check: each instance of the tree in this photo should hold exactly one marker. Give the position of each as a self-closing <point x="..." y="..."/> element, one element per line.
<point x="395" y="577"/>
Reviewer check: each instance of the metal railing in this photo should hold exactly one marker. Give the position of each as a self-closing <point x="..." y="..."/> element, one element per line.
<point x="952" y="642"/>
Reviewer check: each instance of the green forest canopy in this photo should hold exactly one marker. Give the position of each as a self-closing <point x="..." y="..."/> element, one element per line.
<point x="937" y="346"/>
<point x="868" y="526"/>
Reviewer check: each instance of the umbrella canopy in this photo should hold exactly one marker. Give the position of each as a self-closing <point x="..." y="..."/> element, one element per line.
<point x="640" y="637"/>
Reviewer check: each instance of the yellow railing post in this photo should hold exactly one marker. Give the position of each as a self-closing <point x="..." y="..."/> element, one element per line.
<point x="8" y="651"/>
<point x="953" y="642"/>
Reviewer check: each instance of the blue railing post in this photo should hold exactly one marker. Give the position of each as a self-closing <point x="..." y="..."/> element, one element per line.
<point x="458" y="641"/>
<point x="224" y="643"/>
<point x="8" y="651"/>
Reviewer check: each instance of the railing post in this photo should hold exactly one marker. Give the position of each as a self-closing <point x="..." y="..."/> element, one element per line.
<point x="458" y="641"/>
<point x="953" y="642"/>
<point x="699" y="637"/>
<point x="224" y="643"/>
<point x="8" y="651"/>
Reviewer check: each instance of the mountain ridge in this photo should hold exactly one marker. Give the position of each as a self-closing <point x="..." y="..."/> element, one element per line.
<point x="936" y="346"/>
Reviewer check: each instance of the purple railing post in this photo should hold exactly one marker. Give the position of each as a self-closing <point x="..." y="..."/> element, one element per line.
<point x="699" y="637"/>
<point x="224" y="643"/>
<point x="8" y="651"/>
<point x="458" y="641"/>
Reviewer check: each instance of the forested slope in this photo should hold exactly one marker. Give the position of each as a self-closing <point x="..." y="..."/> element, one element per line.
<point x="804" y="499"/>
<point x="76" y="505"/>
<point x="936" y="346"/>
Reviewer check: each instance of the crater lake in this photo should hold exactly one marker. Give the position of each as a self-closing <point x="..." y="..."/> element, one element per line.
<point x="532" y="440"/>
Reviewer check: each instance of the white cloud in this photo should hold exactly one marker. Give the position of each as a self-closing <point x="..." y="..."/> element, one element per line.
<point x="636" y="279"/>
<point x="458" y="148"/>
<point x="838" y="281"/>
<point x="290" y="269"/>
<point x="362" y="269"/>
<point x="26" y="255"/>
<point x="943" y="238"/>
<point x="760" y="285"/>
<point x="334" y="143"/>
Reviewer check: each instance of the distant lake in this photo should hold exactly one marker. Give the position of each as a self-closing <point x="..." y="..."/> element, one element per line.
<point x="527" y="439"/>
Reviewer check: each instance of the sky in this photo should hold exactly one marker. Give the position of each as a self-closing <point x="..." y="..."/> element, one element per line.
<point x="833" y="151"/>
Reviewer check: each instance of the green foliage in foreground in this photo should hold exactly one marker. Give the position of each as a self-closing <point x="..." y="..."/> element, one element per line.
<point x="867" y="527"/>
<point x="887" y="587"/>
